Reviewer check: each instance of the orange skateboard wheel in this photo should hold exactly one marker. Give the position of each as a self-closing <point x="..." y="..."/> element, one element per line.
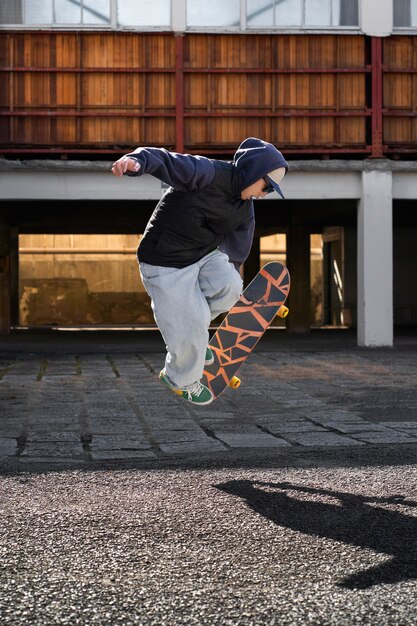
<point x="235" y="382"/>
<point x="283" y="311"/>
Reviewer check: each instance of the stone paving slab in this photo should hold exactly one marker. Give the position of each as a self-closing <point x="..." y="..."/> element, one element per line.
<point x="401" y="425"/>
<point x="250" y="440"/>
<point x="321" y="439"/>
<point x="299" y="426"/>
<point x="102" y="407"/>
<point x="53" y="450"/>
<point x="7" y="446"/>
<point x="122" y="455"/>
<point x="52" y="436"/>
<point x="386" y="437"/>
<point x="192" y="447"/>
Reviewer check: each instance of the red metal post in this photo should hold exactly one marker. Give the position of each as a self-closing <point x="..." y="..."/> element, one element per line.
<point x="179" y="93"/>
<point x="377" y="98"/>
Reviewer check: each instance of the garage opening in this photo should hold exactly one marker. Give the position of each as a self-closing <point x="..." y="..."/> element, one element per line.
<point x="81" y="280"/>
<point x="273" y="248"/>
<point x="92" y="280"/>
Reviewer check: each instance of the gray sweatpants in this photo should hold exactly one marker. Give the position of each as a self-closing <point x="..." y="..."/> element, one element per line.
<point x="184" y="301"/>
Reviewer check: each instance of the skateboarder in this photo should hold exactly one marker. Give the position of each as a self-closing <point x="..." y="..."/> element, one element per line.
<point x="198" y="236"/>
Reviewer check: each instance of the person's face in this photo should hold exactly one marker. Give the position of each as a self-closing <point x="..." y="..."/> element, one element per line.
<point x="257" y="190"/>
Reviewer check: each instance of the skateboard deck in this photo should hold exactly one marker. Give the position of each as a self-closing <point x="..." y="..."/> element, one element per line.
<point x="245" y="324"/>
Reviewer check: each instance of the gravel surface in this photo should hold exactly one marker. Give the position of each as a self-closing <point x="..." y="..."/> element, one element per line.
<point x="315" y="545"/>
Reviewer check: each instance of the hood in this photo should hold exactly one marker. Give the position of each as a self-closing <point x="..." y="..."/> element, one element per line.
<point x="254" y="159"/>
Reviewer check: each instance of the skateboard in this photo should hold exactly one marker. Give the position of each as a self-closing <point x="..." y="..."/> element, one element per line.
<point x="245" y="324"/>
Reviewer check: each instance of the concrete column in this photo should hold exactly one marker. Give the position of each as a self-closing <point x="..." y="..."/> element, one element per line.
<point x="375" y="261"/>
<point x="298" y="262"/>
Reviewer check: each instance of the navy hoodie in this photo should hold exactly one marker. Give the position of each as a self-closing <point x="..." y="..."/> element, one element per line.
<point x="202" y="209"/>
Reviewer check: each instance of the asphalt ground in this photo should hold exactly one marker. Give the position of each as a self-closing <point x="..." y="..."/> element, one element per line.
<point x="316" y="539"/>
<point x="289" y="501"/>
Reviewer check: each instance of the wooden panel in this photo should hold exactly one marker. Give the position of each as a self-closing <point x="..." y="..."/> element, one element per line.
<point x="400" y="131"/>
<point x="196" y="91"/>
<point x="243" y="91"/>
<point x="83" y="90"/>
<point x="157" y="132"/>
<point x="66" y="49"/>
<point x="33" y="49"/>
<point x="33" y="91"/>
<point x="227" y="132"/>
<point x="66" y="92"/>
<point x="400" y="52"/>
<point x="400" y="91"/>
<point x="350" y="134"/>
<point x="32" y="130"/>
<point x="291" y="131"/>
<point x="146" y="51"/>
<point x="5" y="139"/>
<point x="258" y="86"/>
<point x="160" y="92"/>
<point x="5" y="49"/>
<point x="113" y="90"/>
<point x="351" y="91"/>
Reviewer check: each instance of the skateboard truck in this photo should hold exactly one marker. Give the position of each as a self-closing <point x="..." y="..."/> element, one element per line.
<point x="282" y="311"/>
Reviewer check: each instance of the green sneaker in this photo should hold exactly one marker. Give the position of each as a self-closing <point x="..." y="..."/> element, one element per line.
<point x="209" y="357"/>
<point x="163" y="377"/>
<point x="197" y="393"/>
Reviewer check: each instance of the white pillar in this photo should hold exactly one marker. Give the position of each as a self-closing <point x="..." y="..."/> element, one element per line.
<point x="375" y="273"/>
<point x="178" y="16"/>
<point x="376" y="17"/>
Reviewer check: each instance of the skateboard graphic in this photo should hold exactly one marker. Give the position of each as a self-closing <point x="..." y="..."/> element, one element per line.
<point x="245" y="324"/>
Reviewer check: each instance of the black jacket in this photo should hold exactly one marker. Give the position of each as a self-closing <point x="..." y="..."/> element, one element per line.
<point x="203" y="209"/>
<point x="186" y="226"/>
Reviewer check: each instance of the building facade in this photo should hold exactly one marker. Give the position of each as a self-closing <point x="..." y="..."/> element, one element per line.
<point x="331" y="83"/>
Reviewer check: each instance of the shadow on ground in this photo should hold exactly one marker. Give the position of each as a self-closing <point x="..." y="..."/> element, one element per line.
<point x="356" y="520"/>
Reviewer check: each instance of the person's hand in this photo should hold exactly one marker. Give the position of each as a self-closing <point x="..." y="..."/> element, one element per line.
<point x="125" y="164"/>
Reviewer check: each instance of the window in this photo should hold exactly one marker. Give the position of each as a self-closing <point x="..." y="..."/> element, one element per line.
<point x="302" y="13"/>
<point x="55" y="12"/>
<point x="405" y="14"/>
<point x="122" y="13"/>
<point x="217" y="13"/>
<point x="238" y="15"/>
<point x="144" y="13"/>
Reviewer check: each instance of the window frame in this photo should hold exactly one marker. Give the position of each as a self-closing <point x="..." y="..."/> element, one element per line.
<point x="402" y="30"/>
<point x="81" y="26"/>
<point x="245" y="28"/>
<point x="178" y="24"/>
